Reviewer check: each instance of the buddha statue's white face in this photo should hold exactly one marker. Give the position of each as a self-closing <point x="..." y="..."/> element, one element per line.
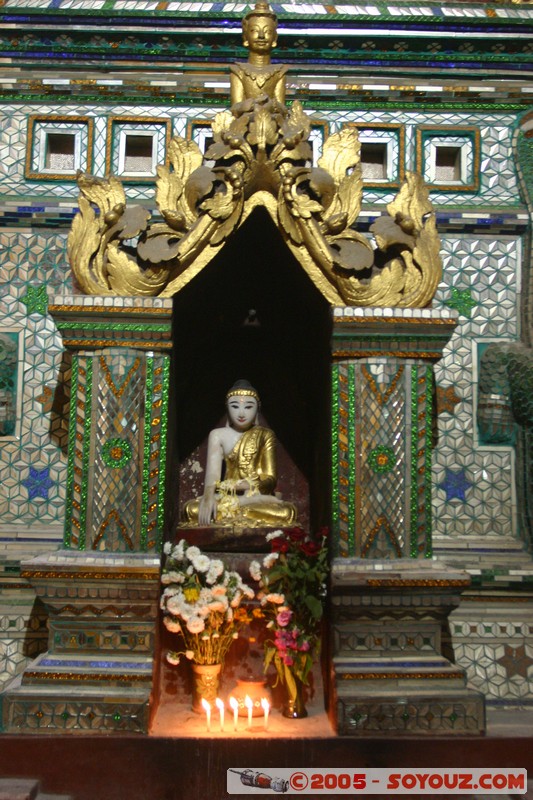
<point x="242" y="411"/>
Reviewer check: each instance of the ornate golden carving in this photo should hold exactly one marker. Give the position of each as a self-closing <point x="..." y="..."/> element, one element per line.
<point x="261" y="155"/>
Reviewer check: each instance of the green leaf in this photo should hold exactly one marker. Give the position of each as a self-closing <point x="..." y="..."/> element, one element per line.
<point x="269" y="655"/>
<point x="315" y="606"/>
<point x="290" y="682"/>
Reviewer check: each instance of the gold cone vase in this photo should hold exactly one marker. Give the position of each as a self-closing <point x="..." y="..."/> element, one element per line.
<point x="206" y="679"/>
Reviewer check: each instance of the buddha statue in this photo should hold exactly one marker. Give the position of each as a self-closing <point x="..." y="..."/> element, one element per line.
<point x="257" y="78"/>
<point x="245" y="496"/>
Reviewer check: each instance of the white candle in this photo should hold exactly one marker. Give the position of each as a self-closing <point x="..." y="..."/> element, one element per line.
<point x="207" y="709"/>
<point x="220" y="705"/>
<point x="266" y="708"/>
<point x="235" y="706"/>
<point x="249" y="703"/>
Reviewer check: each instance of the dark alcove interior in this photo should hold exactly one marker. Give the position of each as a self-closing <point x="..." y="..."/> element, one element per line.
<point x="253" y="313"/>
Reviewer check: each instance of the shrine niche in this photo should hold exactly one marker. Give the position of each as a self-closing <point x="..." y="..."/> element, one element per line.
<point x="342" y="328"/>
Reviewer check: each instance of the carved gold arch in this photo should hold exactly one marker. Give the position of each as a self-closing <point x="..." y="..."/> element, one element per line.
<point x="260" y="156"/>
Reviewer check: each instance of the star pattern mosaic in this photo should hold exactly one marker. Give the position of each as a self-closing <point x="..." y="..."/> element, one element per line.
<point x="447" y="399"/>
<point x="38" y="483"/>
<point x="455" y="484"/>
<point x="462" y="301"/>
<point x="36" y="300"/>
<point x="496" y="651"/>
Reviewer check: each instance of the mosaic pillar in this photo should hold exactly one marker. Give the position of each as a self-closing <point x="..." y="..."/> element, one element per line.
<point x="101" y="589"/>
<point x="390" y="599"/>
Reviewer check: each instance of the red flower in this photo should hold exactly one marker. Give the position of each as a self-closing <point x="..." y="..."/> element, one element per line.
<point x="296" y="534"/>
<point x="279" y="546"/>
<point x="311" y="548"/>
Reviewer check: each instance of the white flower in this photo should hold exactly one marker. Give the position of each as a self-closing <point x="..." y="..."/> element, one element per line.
<point x="216" y="635"/>
<point x="215" y="570"/>
<point x="270" y="559"/>
<point x="192" y="552"/>
<point x="218" y="591"/>
<point x="179" y="550"/>
<point x="172" y="577"/>
<point x="248" y="592"/>
<point x="236" y="600"/>
<point x="175" y="605"/>
<point x="270" y="624"/>
<point x="229" y="614"/>
<point x="167" y="547"/>
<point x="219" y="605"/>
<point x="278" y="599"/>
<point x="235" y="636"/>
<point x="195" y="625"/>
<point x="255" y="570"/>
<point x="201" y="562"/>
<point x="189" y="654"/>
<point x="173" y="658"/>
<point x="190" y="570"/>
<point x="171" y="625"/>
<point x="273" y="535"/>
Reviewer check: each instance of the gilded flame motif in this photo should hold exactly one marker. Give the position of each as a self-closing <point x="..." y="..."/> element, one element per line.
<point x="261" y="155"/>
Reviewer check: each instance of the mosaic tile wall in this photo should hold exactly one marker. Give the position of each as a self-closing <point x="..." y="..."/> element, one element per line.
<point x="474" y="485"/>
<point x="498" y="176"/>
<point x="474" y="499"/>
<point x="32" y="463"/>
<point x="480" y="280"/>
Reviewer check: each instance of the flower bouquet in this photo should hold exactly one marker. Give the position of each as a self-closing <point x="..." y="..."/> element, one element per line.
<point x="201" y="602"/>
<point x="293" y="589"/>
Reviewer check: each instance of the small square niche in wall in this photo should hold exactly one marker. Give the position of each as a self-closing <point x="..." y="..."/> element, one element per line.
<point x="374" y="161"/>
<point x="135" y="146"/>
<point x="60" y="152"/>
<point x="382" y="154"/>
<point x="57" y="147"/>
<point x="138" y="157"/>
<point x="449" y="157"/>
<point x="447" y="164"/>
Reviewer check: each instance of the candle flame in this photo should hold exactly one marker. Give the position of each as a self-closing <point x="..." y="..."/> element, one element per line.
<point x="205" y="705"/>
<point x="219" y="703"/>
<point x="248" y="702"/>
<point x="234" y="703"/>
<point x="265" y="705"/>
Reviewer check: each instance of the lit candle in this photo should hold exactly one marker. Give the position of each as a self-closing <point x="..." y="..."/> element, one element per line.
<point x="207" y="709"/>
<point x="266" y="708"/>
<point x="235" y="706"/>
<point x="220" y="705"/>
<point x="249" y="703"/>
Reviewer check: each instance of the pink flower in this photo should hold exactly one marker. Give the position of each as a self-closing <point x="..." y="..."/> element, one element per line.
<point x="304" y="647"/>
<point x="288" y="661"/>
<point x="283" y="618"/>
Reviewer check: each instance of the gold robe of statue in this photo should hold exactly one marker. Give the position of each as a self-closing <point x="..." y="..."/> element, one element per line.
<point x="254" y="458"/>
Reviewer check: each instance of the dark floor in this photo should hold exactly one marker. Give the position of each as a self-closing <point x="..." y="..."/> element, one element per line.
<point x="194" y="768"/>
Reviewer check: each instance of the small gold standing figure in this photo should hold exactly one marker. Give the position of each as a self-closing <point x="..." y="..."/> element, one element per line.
<point x="258" y="76"/>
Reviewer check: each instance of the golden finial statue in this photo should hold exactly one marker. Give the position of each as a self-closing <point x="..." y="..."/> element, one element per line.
<point x="258" y="76"/>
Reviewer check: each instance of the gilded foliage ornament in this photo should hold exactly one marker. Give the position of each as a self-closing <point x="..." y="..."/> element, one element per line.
<point x="261" y="155"/>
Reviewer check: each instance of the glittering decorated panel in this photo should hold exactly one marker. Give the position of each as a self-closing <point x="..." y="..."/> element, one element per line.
<point x="117" y="451"/>
<point x="382" y="416"/>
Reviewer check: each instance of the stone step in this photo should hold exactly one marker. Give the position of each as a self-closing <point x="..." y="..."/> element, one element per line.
<point x="56" y="708"/>
<point x="26" y="789"/>
<point x="89" y="670"/>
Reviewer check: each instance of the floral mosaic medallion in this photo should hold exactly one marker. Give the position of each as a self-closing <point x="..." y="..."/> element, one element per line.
<point x="116" y="453"/>
<point x="382" y="459"/>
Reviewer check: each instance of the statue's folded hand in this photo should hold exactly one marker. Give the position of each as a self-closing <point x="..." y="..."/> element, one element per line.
<point x="207" y="507"/>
